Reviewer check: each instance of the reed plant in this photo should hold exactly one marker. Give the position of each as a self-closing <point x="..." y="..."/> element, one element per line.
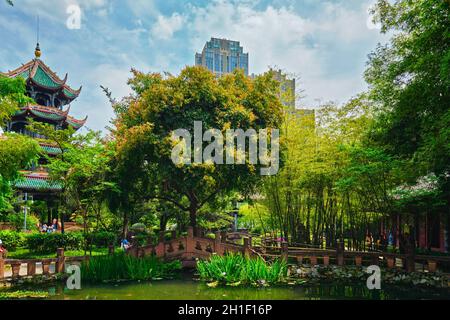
<point x="123" y="267"/>
<point x="237" y="269"/>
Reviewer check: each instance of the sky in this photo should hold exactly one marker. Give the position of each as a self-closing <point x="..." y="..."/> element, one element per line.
<point x="324" y="43"/>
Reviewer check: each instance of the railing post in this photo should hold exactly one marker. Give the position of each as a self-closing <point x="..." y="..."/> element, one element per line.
<point x="410" y="259"/>
<point x="432" y="266"/>
<point x="60" y="260"/>
<point x="2" y="266"/>
<point x="218" y="243"/>
<point x="223" y="236"/>
<point x="111" y="249"/>
<point x="246" y="249"/>
<point x="31" y="268"/>
<point x="358" y="261"/>
<point x="284" y="251"/>
<point x="45" y="267"/>
<point x="313" y="260"/>
<point x="340" y="253"/>
<point x="326" y="260"/>
<point x="15" y="266"/>
<point x="390" y="262"/>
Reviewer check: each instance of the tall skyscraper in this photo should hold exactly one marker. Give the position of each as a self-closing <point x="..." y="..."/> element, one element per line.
<point x="222" y="56"/>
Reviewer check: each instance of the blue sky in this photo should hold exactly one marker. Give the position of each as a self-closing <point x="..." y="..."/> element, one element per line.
<point x="325" y="43"/>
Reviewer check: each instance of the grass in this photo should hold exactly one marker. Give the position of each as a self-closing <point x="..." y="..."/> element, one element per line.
<point x="23" y="253"/>
<point x="123" y="267"/>
<point x="236" y="269"/>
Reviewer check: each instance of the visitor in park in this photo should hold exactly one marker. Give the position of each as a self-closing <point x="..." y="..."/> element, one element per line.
<point x="3" y="250"/>
<point x="124" y="244"/>
<point x="56" y="225"/>
<point x="383" y="241"/>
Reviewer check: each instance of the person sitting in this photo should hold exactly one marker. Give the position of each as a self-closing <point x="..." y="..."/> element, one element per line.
<point x="44" y="228"/>
<point x="3" y="250"/>
<point x="56" y="225"/>
<point x="124" y="244"/>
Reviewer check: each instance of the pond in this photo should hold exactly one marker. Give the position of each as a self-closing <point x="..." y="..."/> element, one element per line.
<point x="188" y="289"/>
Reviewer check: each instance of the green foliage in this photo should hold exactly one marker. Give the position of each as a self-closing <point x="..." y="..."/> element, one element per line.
<point x="101" y="238"/>
<point x="17" y="220"/>
<point x="12" y="239"/>
<point x="124" y="267"/>
<point x="145" y="124"/>
<point x="49" y="242"/>
<point x="410" y="81"/>
<point x="236" y="269"/>
<point x="12" y="96"/>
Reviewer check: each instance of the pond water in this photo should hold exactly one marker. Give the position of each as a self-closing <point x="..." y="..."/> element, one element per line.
<point x="187" y="289"/>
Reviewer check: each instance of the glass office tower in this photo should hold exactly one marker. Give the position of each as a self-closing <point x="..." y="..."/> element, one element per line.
<point x="222" y="56"/>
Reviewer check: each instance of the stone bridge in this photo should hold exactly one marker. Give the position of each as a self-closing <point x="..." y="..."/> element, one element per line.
<point x="195" y="246"/>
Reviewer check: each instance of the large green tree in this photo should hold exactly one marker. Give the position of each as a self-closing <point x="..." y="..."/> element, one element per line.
<point x="163" y="104"/>
<point x="16" y="151"/>
<point x="410" y="81"/>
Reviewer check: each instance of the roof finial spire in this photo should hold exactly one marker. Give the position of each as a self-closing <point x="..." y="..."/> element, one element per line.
<point x="37" y="51"/>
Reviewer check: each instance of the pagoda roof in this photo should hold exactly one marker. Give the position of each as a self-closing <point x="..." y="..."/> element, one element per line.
<point x="37" y="181"/>
<point x="38" y="73"/>
<point x="50" y="148"/>
<point x="51" y="114"/>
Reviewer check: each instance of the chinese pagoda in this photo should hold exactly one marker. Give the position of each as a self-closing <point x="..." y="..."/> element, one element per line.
<point x="51" y="94"/>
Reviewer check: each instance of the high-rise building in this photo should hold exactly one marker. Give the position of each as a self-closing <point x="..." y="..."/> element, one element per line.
<point x="222" y="56"/>
<point x="287" y="87"/>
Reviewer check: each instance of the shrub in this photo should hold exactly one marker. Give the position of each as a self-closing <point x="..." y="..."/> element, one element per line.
<point x="101" y="238"/>
<point x="49" y="242"/>
<point x="17" y="220"/>
<point x="12" y="239"/>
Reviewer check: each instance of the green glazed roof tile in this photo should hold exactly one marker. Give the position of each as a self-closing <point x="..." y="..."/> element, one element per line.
<point x="44" y="79"/>
<point x="30" y="183"/>
<point x="50" y="149"/>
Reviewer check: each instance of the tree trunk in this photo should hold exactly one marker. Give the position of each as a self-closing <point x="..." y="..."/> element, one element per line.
<point x="125" y="225"/>
<point x="193" y="213"/>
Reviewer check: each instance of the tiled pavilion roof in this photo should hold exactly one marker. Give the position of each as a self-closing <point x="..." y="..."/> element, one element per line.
<point x="37" y="181"/>
<point x="41" y="75"/>
<point x="51" y="114"/>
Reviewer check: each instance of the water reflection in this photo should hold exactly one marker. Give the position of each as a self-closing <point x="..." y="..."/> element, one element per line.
<point x="192" y="290"/>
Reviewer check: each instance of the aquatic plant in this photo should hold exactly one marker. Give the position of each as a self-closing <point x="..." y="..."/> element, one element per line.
<point x="236" y="269"/>
<point x="123" y="267"/>
<point x="19" y="295"/>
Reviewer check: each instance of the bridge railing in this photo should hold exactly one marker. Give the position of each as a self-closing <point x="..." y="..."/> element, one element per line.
<point x="196" y="246"/>
<point x="29" y="267"/>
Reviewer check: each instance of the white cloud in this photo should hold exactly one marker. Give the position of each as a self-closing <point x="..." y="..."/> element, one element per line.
<point x="165" y="27"/>
<point x="300" y="44"/>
